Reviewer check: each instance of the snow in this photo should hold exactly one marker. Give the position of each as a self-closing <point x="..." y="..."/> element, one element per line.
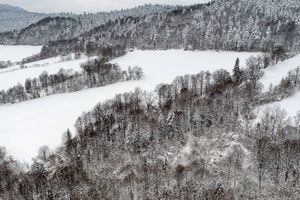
<point x="274" y="74"/>
<point x="14" y="75"/>
<point x="291" y="105"/>
<point x="17" y="53"/>
<point x="164" y="66"/>
<point x="28" y="125"/>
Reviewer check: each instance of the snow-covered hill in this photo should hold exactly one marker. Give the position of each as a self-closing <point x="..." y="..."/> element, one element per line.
<point x="209" y="26"/>
<point x="11" y="9"/>
<point x="43" y="121"/>
<point x="24" y="27"/>
<point x="15" y="18"/>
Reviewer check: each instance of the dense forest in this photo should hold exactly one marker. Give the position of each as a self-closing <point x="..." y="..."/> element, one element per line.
<point x="199" y="137"/>
<point x="237" y="25"/>
<point x="22" y="27"/>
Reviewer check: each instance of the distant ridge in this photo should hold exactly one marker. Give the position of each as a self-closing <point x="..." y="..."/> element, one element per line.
<point x="14" y="18"/>
<point x="23" y="27"/>
<point x="9" y="8"/>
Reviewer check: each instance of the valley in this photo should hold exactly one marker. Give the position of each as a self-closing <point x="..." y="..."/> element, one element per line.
<point x="198" y="100"/>
<point x="55" y="114"/>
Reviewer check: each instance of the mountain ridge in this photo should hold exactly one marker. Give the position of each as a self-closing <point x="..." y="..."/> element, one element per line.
<point x="11" y="8"/>
<point x="16" y="21"/>
<point x="253" y="27"/>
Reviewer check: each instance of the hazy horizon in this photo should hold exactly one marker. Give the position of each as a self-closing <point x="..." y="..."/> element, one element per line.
<point x="79" y="6"/>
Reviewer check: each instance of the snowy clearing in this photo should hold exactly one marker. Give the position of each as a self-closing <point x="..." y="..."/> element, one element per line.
<point x="43" y="121"/>
<point x="274" y="74"/>
<point x="164" y="66"/>
<point x="12" y="76"/>
<point x="291" y="105"/>
<point x="17" y="53"/>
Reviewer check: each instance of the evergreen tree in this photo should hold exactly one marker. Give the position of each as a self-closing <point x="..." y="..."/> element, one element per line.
<point x="237" y="73"/>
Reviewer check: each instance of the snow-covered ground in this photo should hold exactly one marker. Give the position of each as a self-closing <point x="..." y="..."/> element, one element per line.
<point x="28" y="125"/>
<point x="17" y="53"/>
<point x="274" y="74"/>
<point x="291" y="105"/>
<point x="12" y="76"/>
<point x="164" y="66"/>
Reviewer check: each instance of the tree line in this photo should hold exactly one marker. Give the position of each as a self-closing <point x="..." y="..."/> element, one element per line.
<point x="5" y="64"/>
<point x="94" y="73"/>
<point x="288" y="86"/>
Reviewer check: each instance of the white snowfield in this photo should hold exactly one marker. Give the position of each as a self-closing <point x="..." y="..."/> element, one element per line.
<point x="11" y="76"/>
<point x="274" y="74"/>
<point x="291" y="105"/>
<point x="28" y="125"/>
<point x="17" y="53"/>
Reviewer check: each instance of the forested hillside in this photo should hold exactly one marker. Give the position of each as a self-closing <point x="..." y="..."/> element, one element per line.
<point x="15" y="18"/>
<point x="23" y="27"/>
<point x="237" y="25"/>
<point x="45" y="30"/>
<point x="197" y="138"/>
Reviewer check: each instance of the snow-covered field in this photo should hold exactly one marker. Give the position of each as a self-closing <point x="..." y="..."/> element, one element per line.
<point x="28" y="125"/>
<point x="290" y="104"/>
<point x="274" y="74"/>
<point x="12" y="76"/>
<point x="164" y="66"/>
<point x="17" y="53"/>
